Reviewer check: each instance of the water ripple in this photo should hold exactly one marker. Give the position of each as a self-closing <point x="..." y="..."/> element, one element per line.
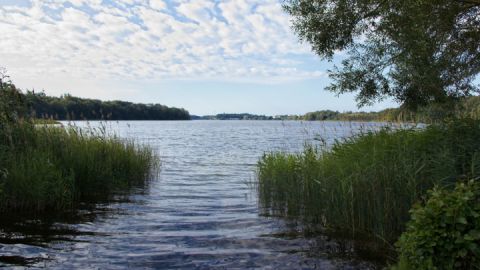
<point x="200" y="213"/>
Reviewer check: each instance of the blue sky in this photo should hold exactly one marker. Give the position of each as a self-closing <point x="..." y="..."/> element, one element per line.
<point x="206" y="56"/>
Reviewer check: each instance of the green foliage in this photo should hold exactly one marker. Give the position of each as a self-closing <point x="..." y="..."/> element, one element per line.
<point x="432" y="113"/>
<point x="364" y="186"/>
<point x="12" y="105"/>
<point x="35" y="183"/>
<point x="68" y="107"/>
<point x="54" y="167"/>
<point x="470" y="108"/>
<point x="322" y="115"/>
<point x="390" y="115"/>
<point x="12" y="111"/>
<point x="46" y="167"/>
<point x="417" y="51"/>
<point x="288" y="117"/>
<point x="41" y="121"/>
<point x="233" y="116"/>
<point x="445" y="232"/>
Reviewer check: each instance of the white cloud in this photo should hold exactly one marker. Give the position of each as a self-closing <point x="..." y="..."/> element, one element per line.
<point x="158" y="4"/>
<point x="150" y="39"/>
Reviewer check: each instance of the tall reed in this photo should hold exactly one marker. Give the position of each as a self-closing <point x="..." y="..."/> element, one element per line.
<point x="365" y="185"/>
<point x="47" y="167"/>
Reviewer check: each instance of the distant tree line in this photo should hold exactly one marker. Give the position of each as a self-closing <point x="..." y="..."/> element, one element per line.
<point x="434" y="112"/>
<point x="233" y="116"/>
<point x="68" y="107"/>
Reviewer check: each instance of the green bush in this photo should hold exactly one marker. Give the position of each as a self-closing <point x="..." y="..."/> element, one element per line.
<point x="445" y="232"/>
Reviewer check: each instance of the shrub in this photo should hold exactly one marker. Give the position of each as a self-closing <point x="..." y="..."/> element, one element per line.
<point x="445" y="232"/>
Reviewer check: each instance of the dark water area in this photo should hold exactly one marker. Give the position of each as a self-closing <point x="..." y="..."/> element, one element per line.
<point x="200" y="212"/>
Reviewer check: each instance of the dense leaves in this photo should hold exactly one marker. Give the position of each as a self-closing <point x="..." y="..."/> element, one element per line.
<point x="13" y="110"/>
<point x="12" y="102"/>
<point x="417" y="51"/>
<point x="445" y="232"/>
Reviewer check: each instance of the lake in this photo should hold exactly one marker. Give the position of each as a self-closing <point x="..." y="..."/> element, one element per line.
<point x="201" y="211"/>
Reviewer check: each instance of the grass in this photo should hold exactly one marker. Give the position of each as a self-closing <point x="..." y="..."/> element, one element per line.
<point x="47" y="121"/>
<point x="363" y="187"/>
<point x="53" y="168"/>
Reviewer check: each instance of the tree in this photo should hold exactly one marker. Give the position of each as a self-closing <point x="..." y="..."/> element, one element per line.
<point x="416" y="51"/>
<point x="12" y="103"/>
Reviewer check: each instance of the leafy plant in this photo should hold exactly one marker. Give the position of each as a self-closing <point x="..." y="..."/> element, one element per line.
<point x="445" y="232"/>
<point x="416" y="51"/>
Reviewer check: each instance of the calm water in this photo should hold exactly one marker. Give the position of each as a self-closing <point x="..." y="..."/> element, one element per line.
<point x="200" y="212"/>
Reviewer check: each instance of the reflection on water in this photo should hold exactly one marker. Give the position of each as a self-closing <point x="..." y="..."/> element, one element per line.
<point x="201" y="212"/>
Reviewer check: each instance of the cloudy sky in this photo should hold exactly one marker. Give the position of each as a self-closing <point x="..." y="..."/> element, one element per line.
<point x="207" y="56"/>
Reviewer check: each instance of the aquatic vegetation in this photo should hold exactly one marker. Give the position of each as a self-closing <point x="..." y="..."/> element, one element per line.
<point x="41" y="121"/>
<point x="45" y="167"/>
<point x="364" y="186"/>
<point x="54" y="167"/>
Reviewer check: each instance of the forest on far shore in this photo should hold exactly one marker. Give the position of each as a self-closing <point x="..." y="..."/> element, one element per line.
<point x="67" y="107"/>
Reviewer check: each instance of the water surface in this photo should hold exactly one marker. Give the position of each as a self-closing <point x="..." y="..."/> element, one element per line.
<point x="201" y="211"/>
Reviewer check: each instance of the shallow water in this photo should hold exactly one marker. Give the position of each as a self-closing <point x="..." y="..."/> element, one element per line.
<point x="201" y="211"/>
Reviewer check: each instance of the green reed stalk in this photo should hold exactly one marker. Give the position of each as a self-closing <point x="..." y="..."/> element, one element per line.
<point x="49" y="167"/>
<point x="365" y="185"/>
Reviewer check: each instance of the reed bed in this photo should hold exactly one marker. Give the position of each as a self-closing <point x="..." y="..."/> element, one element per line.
<point x="363" y="187"/>
<point x="52" y="168"/>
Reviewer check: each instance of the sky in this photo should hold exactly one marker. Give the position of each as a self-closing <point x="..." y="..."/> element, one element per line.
<point x="206" y="56"/>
